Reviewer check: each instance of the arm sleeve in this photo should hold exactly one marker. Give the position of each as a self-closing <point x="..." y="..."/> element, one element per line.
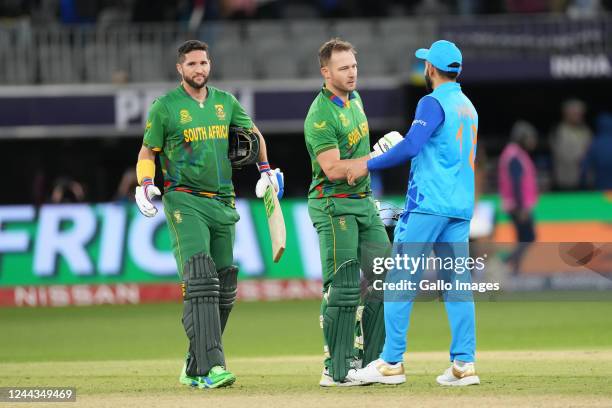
<point x="239" y="116"/>
<point x="157" y="124"/>
<point x="428" y="117"/>
<point x="516" y="173"/>
<point x="320" y="134"/>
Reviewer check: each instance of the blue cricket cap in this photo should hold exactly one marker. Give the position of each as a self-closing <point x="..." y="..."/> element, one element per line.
<point x="442" y="54"/>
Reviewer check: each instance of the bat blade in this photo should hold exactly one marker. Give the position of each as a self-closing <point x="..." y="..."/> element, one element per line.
<point x="276" y="223"/>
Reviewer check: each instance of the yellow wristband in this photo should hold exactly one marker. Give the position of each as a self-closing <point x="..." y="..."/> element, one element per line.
<point x="145" y="169"/>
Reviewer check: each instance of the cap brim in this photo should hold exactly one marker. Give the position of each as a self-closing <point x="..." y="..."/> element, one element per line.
<point x="422" y="53"/>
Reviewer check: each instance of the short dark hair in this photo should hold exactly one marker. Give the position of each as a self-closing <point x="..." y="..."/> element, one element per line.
<point x="191" y="45"/>
<point x="449" y="74"/>
<point x="335" y="44"/>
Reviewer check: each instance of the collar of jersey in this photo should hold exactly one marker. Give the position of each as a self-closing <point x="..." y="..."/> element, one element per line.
<point x="336" y="99"/>
<point x="448" y="85"/>
<point x="192" y="98"/>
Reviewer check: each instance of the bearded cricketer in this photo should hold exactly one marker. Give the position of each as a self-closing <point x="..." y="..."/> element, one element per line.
<point x="188" y="128"/>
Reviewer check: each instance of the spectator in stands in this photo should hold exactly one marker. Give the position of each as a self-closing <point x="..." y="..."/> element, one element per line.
<point x="67" y="190"/>
<point x="569" y="144"/>
<point x="518" y="187"/>
<point x="598" y="160"/>
<point x="238" y="9"/>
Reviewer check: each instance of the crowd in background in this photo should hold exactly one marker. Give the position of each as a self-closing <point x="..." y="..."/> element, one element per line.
<point x="573" y="154"/>
<point x="105" y="11"/>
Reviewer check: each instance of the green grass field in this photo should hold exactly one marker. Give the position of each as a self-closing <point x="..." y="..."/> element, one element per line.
<point x="532" y="354"/>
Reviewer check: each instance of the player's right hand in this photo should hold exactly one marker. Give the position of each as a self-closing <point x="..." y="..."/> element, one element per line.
<point x="386" y="142"/>
<point x="269" y="177"/>
<point x="144" y="195"/>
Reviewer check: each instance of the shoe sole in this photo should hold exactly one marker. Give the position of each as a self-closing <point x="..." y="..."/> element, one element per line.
<point x="324" y="382"/>
<point x="343" y="384"/>
<point x="393" y="379"/>
<point x="223" y="383"/>
<point x="462" y="382"/>
<point x="387" y="380"/>
<point x="346" y="384"/>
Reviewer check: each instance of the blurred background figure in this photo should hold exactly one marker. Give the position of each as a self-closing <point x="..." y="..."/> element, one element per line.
<point x="597" y="165"/>
<point x="518" y="186"/>
<point x="67" y="190"/>
<point x="239" y="9"/>
<point x="569" y="143"/>
<point x="125" y="190"/>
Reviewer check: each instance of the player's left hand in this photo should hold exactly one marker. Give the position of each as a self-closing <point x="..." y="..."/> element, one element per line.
<point x="386" y="142"/>
<point x="269" y="177"/>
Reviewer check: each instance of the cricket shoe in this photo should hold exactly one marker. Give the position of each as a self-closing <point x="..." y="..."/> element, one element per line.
<point x="328" y="381"/>
<point x="459" y="374"/>
<point x="379" y="371"/>
<point x="217" y="377"/>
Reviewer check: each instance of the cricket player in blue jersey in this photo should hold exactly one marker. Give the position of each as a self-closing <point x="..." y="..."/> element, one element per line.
<point x="441" y="145"/>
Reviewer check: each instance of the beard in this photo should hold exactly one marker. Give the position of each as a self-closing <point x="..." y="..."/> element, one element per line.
<point x="343" y="87"/>
<point x="194" y="84"/>
<point x="428" y="83"/>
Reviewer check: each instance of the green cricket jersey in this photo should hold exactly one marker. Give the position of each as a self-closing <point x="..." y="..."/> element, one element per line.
<point x="192" y="139"/>
<point x="333" y="124"/>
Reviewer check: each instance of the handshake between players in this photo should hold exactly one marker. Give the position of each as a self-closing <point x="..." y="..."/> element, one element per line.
<point x="359" y="168"/>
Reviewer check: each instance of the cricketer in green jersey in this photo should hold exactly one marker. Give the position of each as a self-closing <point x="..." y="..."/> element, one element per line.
<point x="345" y="216"/>
<point x="188" y="128"/>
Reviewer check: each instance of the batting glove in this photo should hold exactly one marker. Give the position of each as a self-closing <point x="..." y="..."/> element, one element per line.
<point x="269" y="177"/>
<point x="386" y="142"/>
<point x="144" y="195"/>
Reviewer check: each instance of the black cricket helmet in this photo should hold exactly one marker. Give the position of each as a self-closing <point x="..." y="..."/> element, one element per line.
<point x="243" y="147"/>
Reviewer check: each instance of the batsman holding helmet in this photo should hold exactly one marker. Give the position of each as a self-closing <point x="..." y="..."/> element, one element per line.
<point x="345" y="217"/>
<point x="191" y="128"/>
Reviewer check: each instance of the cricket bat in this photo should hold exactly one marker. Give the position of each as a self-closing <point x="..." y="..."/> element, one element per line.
<point x="276" y="223"/>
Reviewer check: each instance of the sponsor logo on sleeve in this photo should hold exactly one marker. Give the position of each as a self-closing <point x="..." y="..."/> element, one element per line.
<point x="320" y="125"/>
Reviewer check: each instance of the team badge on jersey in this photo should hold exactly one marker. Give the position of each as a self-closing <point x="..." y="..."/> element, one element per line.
<point x="185" y="116"/>
<point x="342" y="223"/>
<point x="320" y="125"/>
<point x="220" y="112"/>
<point x="343" y="119"/>
<point x="177" y="216"/>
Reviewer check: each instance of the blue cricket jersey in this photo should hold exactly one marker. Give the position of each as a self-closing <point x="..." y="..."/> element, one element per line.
<point x="442" y="174"/>
<point x="442" y="145"/>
